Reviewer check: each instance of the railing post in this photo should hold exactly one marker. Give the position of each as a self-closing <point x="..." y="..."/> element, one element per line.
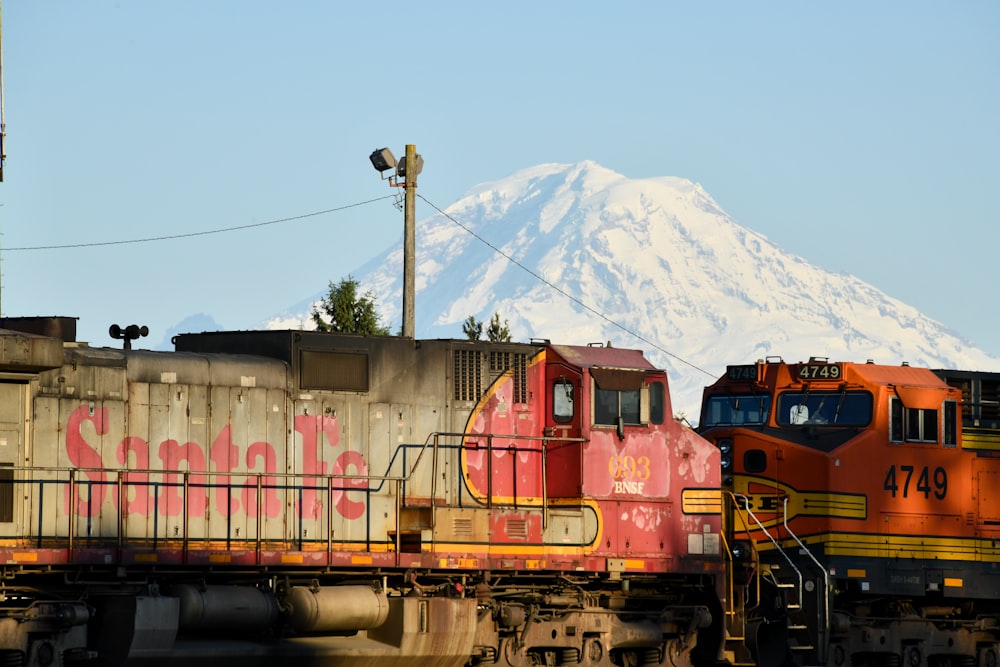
<point x="545" y="484"/>
<point x="399" y="511"/>
<point x="434" y="468"/>
<point x="260" y="495"/>
<point x="329" y="520"/>
<point x="121" y="514"/>
<point x="184" y="518"/>
<point x="489" y="471"/>
<point x="72" y="513"/>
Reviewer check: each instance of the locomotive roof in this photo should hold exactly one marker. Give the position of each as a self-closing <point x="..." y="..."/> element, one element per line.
<point x="591" y="356"/>
<point x="184" y="367"/>
<point x="905" y="375"/>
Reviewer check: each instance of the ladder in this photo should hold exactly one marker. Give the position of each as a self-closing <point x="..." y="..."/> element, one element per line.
<point x="793" y="584"/>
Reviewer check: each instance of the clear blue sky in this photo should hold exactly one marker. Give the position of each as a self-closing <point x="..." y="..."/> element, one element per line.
<point x="864" y="137"/>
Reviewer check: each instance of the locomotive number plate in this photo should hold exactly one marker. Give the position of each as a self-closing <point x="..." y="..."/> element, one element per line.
<point x="819" y="372"/>
<point x="742" y="373"/>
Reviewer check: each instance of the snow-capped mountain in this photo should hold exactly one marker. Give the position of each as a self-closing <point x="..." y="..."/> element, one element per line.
<point x="577" y="253"/>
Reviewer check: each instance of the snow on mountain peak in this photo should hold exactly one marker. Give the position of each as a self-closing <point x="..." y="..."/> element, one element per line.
<point x="578" y="253"/>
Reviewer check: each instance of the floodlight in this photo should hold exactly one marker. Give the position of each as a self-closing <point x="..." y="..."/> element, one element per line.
<point x="418" y="166"/>
<point x="383" y="159"/>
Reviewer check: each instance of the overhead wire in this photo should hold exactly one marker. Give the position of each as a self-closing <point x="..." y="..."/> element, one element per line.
<point x="201" y="233"/>
<point x="303" y="216"/>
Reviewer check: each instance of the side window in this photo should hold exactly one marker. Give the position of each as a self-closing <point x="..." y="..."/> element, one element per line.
<point x="609" y="404"/>
<point x="562" y="402"/>
<point x="921" y="425"/>
<point x="657" y="402"/>
<point x="916" y="424"/>
<point x="605" y="406"/>
<point x="895" y="420"/>
<point x="950" y="424"/>
<point x="630" y="406"/>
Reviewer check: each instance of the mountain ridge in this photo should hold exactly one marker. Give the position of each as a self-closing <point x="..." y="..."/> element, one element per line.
<point x="578" y="253"/>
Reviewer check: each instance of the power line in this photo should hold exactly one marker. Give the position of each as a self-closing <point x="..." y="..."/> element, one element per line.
<point x="567" y="294"/>
<point x="293" y="218"/>
<point x="203" y="233"/>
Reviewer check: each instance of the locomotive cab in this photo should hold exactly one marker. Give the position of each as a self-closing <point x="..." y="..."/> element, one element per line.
<point x="857" y="513"/>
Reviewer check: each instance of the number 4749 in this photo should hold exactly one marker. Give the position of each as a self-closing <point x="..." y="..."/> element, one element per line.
<point x="925" y="484"/>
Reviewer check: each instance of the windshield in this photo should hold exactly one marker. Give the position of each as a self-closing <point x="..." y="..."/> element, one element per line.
<point x="736" y="409"/>
<point x="835" y="408"/>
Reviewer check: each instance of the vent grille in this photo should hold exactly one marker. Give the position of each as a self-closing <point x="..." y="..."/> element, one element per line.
<point x="517" y="363"/>
<point x="462" y="527"/>
<point x="468" y="375"/>
<point x="517" y="528"/>
<point x="337" y="371"/>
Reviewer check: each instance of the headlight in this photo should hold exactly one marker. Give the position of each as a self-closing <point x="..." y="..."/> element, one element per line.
<point x="726" y="445"/>
<point x="742" y="551"/>
<point x="727" y="461"/>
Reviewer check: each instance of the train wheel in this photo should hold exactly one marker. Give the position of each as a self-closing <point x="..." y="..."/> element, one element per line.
<point x="593" y="651"/>
<point x="513" y="654"/>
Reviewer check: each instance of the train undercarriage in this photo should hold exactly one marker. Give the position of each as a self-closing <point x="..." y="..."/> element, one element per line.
<point x="784" y="627"/>
<point x="109" y="616"/>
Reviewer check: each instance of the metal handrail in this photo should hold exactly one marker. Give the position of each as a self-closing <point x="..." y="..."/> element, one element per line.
<point x="774" y="541"/>
<point x="754" y="558"/>
<point x="826" y="584"/>
<point x="120" y="481"/>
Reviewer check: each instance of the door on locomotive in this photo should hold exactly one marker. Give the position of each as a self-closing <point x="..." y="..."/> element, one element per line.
<point x="13" y="397"/>
<point x="564" y="416"/>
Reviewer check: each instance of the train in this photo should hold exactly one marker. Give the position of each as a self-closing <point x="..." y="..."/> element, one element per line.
<point x="338" y="499"/>
<point x="349" y="500"/>
<point x="862" y="511"/>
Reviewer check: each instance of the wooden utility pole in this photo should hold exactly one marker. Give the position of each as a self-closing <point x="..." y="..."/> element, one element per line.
<point x="409" y="241"/>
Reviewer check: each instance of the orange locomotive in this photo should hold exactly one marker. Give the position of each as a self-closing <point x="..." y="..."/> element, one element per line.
<point x="862" y="520"/>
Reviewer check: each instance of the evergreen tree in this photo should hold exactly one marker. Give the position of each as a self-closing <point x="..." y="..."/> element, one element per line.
<point x="472" y="328"/>
<point x="496" y="332"/>
<point x="343" y="311"/>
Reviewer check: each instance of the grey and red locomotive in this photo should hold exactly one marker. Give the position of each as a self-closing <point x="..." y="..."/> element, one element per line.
<point x="356" y="500"/>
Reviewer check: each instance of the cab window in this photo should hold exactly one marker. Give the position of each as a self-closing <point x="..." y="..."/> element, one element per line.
<point x="562" y="402"/>
<point x="610" y="404"/>
<point x="735" y="410"/>
<point x="824" y="408"/>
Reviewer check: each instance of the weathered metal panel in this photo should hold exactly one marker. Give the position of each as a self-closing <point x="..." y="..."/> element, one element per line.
<point x="137" y="452"/>
<point x="21" y="352"/>
<point x="227" y="520"/>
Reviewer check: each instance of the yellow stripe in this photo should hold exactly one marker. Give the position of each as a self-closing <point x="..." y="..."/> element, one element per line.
<point x="510" y="549"/>
<point x="800" y="503"/>
<point x="988" y="439"/>
<point x="868" y="545"/>
<point x="701" y="501"/>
